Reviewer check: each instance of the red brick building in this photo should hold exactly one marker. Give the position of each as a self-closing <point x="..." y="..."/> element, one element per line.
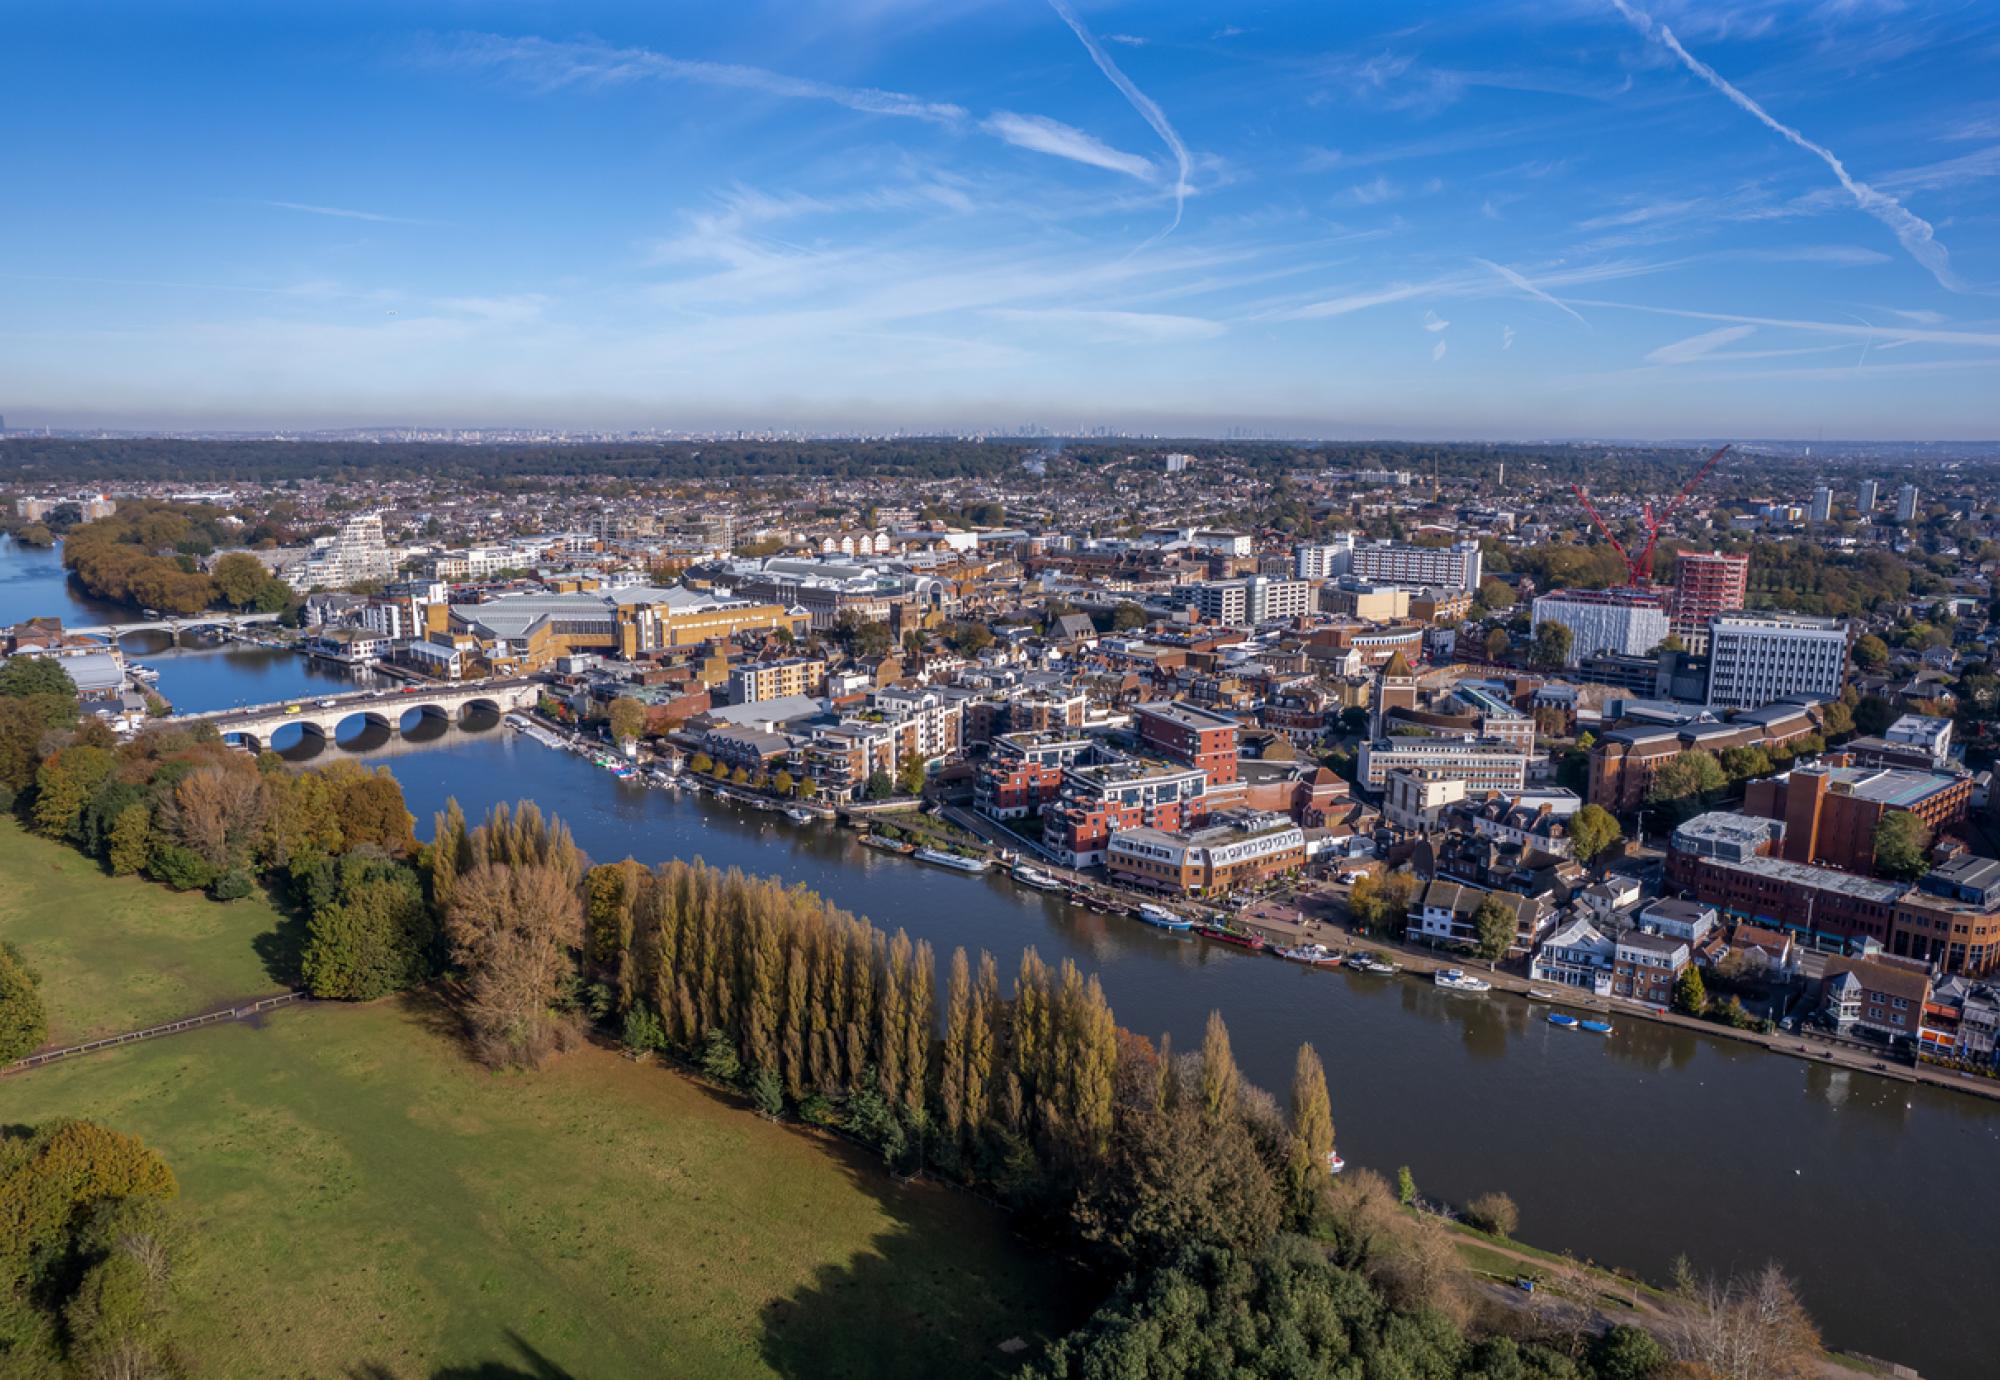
<point x="1189" y="735"/>
<point x="1830" y="812"/>
<point x="1705" y="583"/>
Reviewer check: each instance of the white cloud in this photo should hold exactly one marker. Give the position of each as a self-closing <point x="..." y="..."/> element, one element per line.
<point x="1043" y="135"/>
<point x="1913" y="232"/>
<point x="1156" y="328"/>
<point x="1437" y="351"/>
<point x="1696" y="346"/>
<point x="550" y="65"/>
<point x="342" y="213"/>
<point x="1521" y="282"/>
<point x="1506" y="337"/>
<point x="1434" y="322"/>
<point x="1129" y="40"/>
<point x="1903" y="334"/>
<point x="1141" y="102"/>
<point x="1374" y="193"/>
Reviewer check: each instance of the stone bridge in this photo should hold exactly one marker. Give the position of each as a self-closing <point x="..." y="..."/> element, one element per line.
<point x="385" y="709"/>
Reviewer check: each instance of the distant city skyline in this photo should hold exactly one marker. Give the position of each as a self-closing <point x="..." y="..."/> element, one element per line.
<point x="1616" y="219"/>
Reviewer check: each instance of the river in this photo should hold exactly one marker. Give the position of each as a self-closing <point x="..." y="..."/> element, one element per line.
<point x="1627" y="1151"/>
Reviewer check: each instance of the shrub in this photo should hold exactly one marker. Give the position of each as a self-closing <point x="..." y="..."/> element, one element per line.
<point x="232" y="885"/>
<point x="767" y="1094"/>
<point x="23" y="1021"/>
<point x="1494" y="1213"/>
<point x="718" y="1058"/>
<point x="643" y="1031"/>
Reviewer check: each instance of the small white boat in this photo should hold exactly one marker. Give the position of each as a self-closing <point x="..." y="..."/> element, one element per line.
<point x="1312" y="955"/>
<point x="1161" y="918"/>
<point x="1456" y="980"/>
<point x="1334" y="1163"/>
<point x="1375" y="965"/>
<point x="951" y="860"/>
<point x="799" y="815"/>
<point x="1034" y="877"/>
<point x="1542" y="994"/>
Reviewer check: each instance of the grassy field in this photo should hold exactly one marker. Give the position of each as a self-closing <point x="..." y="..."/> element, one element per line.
<point x="118" y="953"/>
<point x="373" y="1205"/>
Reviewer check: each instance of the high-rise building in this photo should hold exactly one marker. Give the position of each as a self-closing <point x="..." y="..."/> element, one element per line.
<point x="354" y="554"/>
<point x="1906" y="503"/>
<point x="1705" y="583"/>
<point x="1865" y="499"/>
<point x="1630" y="622"/>
<point x="1822" y="504"/>
<point x="1754" y="659"/>
<point x="1323" y="560"/>
<point x="1249" y="602"/>
<point x="1457" y="566"/>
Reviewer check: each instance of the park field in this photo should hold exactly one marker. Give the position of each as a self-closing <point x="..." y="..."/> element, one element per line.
<point x="121" y="953"/>
<point x="370" y="1203"/>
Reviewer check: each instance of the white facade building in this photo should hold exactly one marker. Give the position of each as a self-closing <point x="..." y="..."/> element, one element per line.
<point x="1323" y="560"/>
<point x="1604" y="621"/>
<point x="356" y="553"/>
<point x="1906" y="503"/>
<point x="1458" y="566"/>
<point x="1757" y="658"/>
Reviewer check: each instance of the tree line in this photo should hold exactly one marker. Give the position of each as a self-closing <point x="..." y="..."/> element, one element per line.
<point x="148" y="555"/>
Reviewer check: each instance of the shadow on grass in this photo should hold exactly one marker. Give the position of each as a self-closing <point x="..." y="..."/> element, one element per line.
<point x="947" y="1290"/>
<point x="533" y="1366"/>
<point x="283" y="946"/>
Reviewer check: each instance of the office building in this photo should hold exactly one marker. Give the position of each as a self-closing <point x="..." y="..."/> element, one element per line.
<point x="1906" y="503"/>
<point x="1630" y="622"/>
<point x="1457" y="566"/>
<point x="1249" y="602"/>
<point x="1191" y="735"/>
<point x="1865" y="498"/>
<point x="1706" y="583"/>
<point x="1831" y="812"/>
<point x="1822" y="504"/>
<point x="1228" y="851"/>
<point x="1754" y="659"/>
<point x="1323" y="560"/>
<point x="1484" y="764"/>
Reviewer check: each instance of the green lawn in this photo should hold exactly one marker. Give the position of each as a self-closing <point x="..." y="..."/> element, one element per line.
<point x="373" y="1205"/>
<point x="118" y="953"/>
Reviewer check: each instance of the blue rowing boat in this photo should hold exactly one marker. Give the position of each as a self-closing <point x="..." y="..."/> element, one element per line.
<point x="1595" y="1027"/>
<point x="1566" y="1022"/>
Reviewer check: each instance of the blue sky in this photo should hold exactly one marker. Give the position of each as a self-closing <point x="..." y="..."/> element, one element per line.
<point x="1571" y="217"/>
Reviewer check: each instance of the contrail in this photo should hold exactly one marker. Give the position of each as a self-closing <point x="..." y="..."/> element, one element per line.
<point x="1141" y="102"/>
<point x="1522" y="283"/>
<point x="1911" y="230"/>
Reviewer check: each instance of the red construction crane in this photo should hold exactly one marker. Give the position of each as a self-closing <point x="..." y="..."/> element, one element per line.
<point x="1639" y="568"/>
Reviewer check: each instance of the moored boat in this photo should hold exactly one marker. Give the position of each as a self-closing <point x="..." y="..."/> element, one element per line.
<point x="1595" y="1027"/>
<point x="1034" y="877"/>
<point x="1312" y="955"/>
<point x="1558" y="1018"/>
<point x="1159" y="917"/>
<point x="1334" y="1163"/>
<point x="887" y="845"/>
<point x="950" y="860"/>
<point x="1457" y="980"/>
<point x="1542" y="994"/>
<point x="1224" y="934"/>
<point x="798" y="814"/>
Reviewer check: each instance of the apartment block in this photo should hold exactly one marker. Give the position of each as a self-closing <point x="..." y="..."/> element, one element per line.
<point x="1706" y="584"/>
<point x="1458" y="566"/>
<point x="757" y="681"/>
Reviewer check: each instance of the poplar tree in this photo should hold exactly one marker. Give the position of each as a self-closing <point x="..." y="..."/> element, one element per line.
<point x="889" y="1044"/>
<point x="763" y="980"/>
<point x="863" y="947"/>
<point x="829" y="985"/>
<point x="1028" y="1048"/>
<point x="793" y="1043"/>
<point x="1096" y="1071"/>
<point x="1218" y="1072"/>
<point x="1312" y="1132"/>
<point x="918" y="1021"/>
<point x="957" y="1040"/>
<point x="981" y="1043"/>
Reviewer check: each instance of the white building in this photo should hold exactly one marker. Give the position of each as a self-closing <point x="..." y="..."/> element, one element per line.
<point x="1248" y="602"/>
<point x="1757" y="658"/>
<point x="1323" y="560"/>
<point x="1578" y="954"/>
<point x="1457" y="566"/>
<point x="1822" y="504"/>
<point x="1906" y="503"/>
<point x="1865" y="498"/>
<point x="1925" y="732"/>
<point x="1485" y="765"/>
<point x="356" y="553"/>
<point x="1625" y="622"/>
